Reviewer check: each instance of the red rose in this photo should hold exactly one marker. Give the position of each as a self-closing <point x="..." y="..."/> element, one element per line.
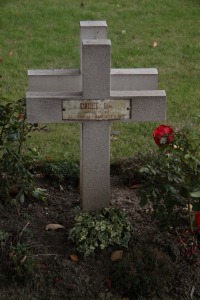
<point x="198" y="220"/>
<point x="163" y="135"/>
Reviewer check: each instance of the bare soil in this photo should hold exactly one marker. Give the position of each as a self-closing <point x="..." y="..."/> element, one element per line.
<point x="56" y="276"/>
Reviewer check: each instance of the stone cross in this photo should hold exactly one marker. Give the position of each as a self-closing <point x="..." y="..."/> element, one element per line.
<point x="94" y="95"/>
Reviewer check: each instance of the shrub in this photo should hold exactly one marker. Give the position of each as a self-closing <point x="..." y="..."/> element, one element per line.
<point x="61" y="171"/>
<point x="169" y="179"/>
<point x="16" y="181"/>
<point x="99" y="229"/>
<point x="172" y="178"/>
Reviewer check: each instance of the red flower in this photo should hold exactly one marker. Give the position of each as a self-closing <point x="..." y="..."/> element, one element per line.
<point x="198" y="220"/>
<point x="163" y="135"/>
<point x="20" y="117"/>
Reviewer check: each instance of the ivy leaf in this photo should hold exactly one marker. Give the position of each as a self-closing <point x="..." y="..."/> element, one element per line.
<point x="125" y="240"/>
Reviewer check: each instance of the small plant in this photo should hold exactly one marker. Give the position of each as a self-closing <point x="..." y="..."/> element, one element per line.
<point x="99" y="229"/>
<point x="61" y="171"/>
<point x="16" y="181"/>
<point x="3" y="235"/>
<point x="21" y="265"/>
<point x="39" y="194"/>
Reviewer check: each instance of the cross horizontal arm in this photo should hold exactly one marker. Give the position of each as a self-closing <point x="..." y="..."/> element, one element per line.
<point x="70" y="80"/>
<point x="64" y="80"/>
<point x="145" y="105"/>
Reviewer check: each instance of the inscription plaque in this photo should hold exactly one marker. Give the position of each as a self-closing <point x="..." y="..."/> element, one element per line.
<point x="96" y="109"/>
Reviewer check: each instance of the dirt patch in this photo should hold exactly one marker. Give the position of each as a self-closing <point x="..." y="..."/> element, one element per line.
<point x="160" y="270"/>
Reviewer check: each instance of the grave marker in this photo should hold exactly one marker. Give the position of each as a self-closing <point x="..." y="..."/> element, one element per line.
<point x="95" y="96"/>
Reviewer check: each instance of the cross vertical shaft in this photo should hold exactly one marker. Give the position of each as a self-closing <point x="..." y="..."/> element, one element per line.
<point x="95" y="136"/>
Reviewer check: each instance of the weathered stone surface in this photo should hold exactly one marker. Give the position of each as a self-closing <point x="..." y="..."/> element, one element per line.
<point x="145" y="105"/>
<point x="96" y="69"/>
<point x="95" y="165"/>
<point x="134" y="79"/>
<point x="95" y="136"/>
<point x="93" y="30"/>
<point x="68" y="81"/>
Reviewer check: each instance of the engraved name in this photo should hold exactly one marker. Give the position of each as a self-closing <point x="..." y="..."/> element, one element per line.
<point x="87" y="105"/>
<point x="94" y="105"/>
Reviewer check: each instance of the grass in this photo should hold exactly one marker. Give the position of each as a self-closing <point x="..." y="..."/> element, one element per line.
<point x="45" y="34"/>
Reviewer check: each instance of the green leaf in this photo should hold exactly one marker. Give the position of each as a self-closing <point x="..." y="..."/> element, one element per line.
<point x="125" y="240"/>
<point x="195" y="194"/>
<point x="21" y="199"/>
<point x="144" y="170"/>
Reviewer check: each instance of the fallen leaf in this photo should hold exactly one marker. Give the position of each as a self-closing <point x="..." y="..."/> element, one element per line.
<point x="11" y="53"/>
<point x="192" y="292"/>
<point x="117" y="255"/>
<point x="135" y="186"/>
<point x="155" y="44"/>
<point x="1" y="59"/>
<point x="54" y="226"/>
<point x="74" y="257"/>
<point x="61" y="188"/>
<point x="23" y="259"/>
<point x="114" y="139"/>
